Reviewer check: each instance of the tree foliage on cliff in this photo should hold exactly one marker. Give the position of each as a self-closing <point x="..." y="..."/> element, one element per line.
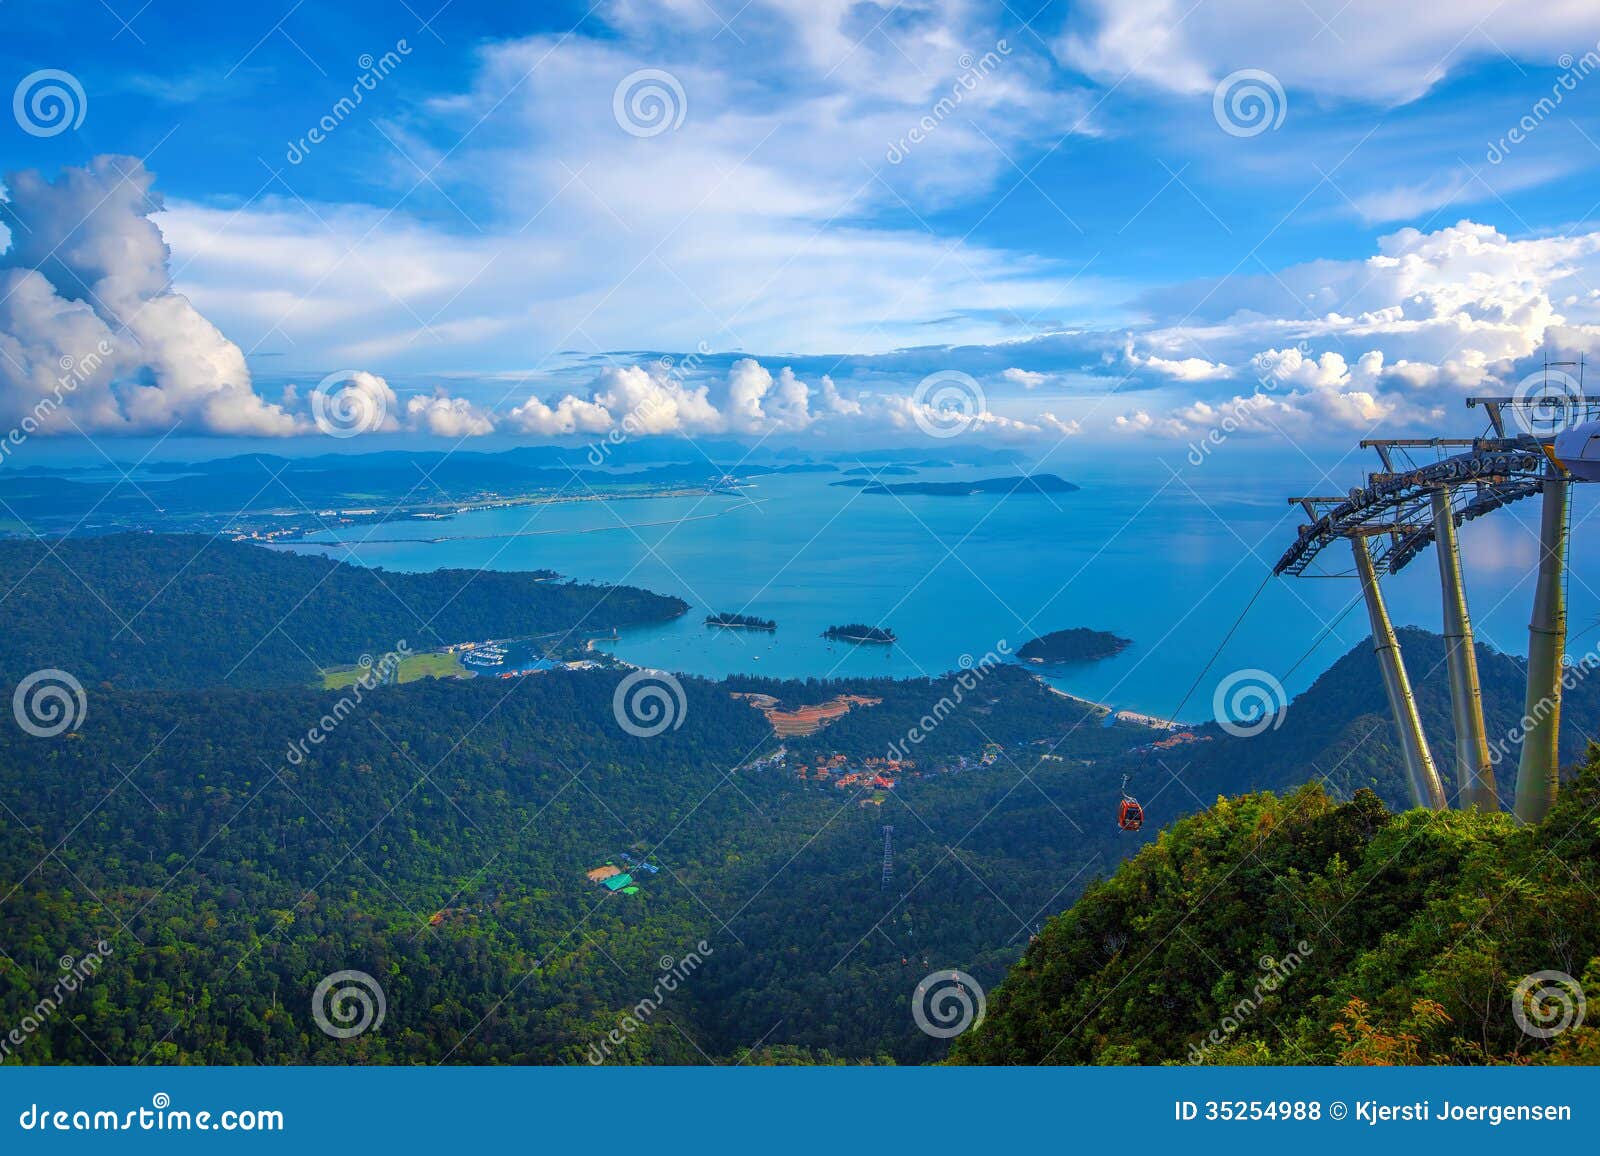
<point x="1302" y="930"/>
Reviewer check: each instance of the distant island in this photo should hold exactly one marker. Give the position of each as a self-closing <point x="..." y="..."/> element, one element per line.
<point x="882" y="471"/>
<point x="1020" y="484"/>
<point x="856" y="632"/>
<point x="798" y="468"/>
<point x="1080" y="644"/>
<point x="741" y="622"/>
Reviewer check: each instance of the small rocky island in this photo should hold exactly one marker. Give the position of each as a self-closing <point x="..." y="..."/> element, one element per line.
<point x="856" y="632"/>
<point x="1080" y="644"/>
<point x="740" y="622"/>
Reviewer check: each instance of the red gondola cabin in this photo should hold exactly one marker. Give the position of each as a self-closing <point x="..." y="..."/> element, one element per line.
<point x="1131" y="816"/>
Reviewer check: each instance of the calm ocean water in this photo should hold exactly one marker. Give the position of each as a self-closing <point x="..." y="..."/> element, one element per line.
<point x="1166" y="554"/>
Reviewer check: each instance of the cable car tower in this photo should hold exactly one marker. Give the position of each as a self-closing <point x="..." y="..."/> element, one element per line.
<point x="1403" y="508"/>
<point x="888" y="856"/>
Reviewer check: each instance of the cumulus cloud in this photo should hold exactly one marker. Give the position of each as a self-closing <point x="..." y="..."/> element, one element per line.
<point x="450" y="417"/>
<point x="656" y="399"/>
<point x="1026" y="378"/>
<point x="570" y="415"/>
<point x="87" y="270"/>
<point x="353" y="400"/>
<point x="758" y="402"/>
<point x="1050" y="422"/>
<point x="835" y="402"/>
<point x="1403" y="337"/>
<point x="1140" y="421"/>
<point x="631" y="397"/>
<point x="750" y="400"/>
<point x="1398" y="337"/>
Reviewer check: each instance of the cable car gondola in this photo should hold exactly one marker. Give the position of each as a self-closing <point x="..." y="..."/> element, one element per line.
<point x="1130" y="816"/>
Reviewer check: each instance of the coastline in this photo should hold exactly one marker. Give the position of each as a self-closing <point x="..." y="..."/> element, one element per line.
<point x="508" y="534"/>
<point x="1138" y="718"/>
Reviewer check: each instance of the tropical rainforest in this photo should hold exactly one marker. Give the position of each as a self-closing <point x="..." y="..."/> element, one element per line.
<point x="437" y="836"/>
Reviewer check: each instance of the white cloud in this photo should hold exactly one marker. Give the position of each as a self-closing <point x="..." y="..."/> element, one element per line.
<point x="759" y="403"/>
<point x="625" y="397"/>
<point x="1026" y="378"/>
<point x="1400" y="337"/>
<point x="450" y="417"/>
<point x="1369" y="50"/>
<point x="834" y="402"/>
<point x="570" y="415"/>
<point x="354" y="400"/>
<point x="86" y="272"/>
<point x="750" y="400"/>
<point x="751" y="226"/>
<point x="1179" y="369"/>
<point x="1066" y="429"/>
<point x="1140" y="421"/>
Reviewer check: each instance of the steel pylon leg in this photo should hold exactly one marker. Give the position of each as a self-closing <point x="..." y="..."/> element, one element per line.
<point x="1421" y="774"/>
<point x="1538" y="773"/>
<point x="1474" y="770"/>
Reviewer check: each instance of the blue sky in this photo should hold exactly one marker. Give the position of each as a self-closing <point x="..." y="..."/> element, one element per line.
<point x="1084" y="228"/>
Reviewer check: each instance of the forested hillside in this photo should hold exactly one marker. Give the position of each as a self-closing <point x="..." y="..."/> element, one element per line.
<point x="178" y="610"/>
<point x="1301" y="930"/>
<point x="1339" y="731"/>
<point x="230" y="877"/>
<point x="437" y="836"/>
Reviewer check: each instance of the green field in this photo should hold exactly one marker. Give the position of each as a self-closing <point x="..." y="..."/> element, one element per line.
<point x="432" y="665"/>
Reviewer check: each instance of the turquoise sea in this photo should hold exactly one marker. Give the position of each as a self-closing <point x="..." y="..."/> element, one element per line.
<point x="1164" y="552"/>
